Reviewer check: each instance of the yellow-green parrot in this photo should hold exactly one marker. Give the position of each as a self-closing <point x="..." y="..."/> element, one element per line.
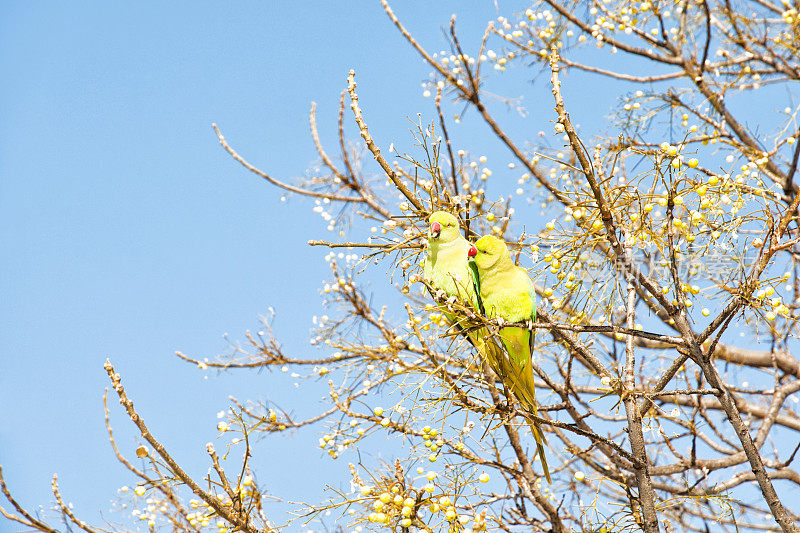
<point x="507" y="292"/>
<point x="446" y="264"/>
<point x="447" y="268"/>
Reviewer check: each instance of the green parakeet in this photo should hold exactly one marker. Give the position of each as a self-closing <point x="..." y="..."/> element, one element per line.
<point x="446" y="262"/>
<point x="447" y="268"/>
<point x="507" y="292"/>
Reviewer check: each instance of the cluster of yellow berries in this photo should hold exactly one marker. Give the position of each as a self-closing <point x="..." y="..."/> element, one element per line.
<point x="392" y="507"/>
<point x="202" y="514"/>
<point x="434" y="318"/>
<point x="153" y="508"/>
<point x="677" y="160"/>
<point x="388" y="506"/>
<point x="772" y="302"/>
<point x="432" y="441"/>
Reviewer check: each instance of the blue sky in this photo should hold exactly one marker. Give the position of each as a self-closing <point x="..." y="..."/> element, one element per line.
<point x="129" y="233"/>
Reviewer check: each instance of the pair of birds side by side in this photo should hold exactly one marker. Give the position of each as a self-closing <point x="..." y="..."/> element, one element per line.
<point x="485" y="274"/>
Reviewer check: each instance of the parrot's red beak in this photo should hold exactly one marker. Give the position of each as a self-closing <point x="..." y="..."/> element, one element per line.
<point x="436" y="229"/>
<point x="472" y="252"/>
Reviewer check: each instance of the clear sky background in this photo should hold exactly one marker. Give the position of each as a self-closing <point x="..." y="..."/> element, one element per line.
<point x="127" y="232"/>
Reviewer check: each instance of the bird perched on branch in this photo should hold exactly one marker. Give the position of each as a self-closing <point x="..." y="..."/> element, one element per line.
<point x="507" y="292"/>
<point x="446" y="263"/>
<point x="447" y="268"/>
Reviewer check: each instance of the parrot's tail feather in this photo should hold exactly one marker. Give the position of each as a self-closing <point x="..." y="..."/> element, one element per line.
<point x="538" y="435"/>
<point x="515" y="378"/>
<point x="541" y="438"/>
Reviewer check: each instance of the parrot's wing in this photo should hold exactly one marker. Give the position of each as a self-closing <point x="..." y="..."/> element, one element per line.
<point x="476" y="283"/>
